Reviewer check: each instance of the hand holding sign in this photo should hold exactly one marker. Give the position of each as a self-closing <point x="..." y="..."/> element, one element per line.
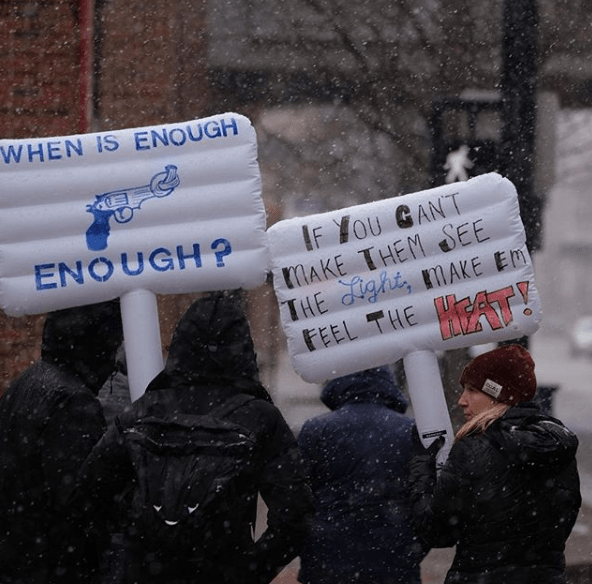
<point x="131" y="213"/>
<point x="402" y="278"/>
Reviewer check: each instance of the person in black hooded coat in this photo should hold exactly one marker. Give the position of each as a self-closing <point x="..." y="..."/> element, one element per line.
<point x="211" y="358"/>
<point x="50" y="418"/>
<point x="357" y="458"/>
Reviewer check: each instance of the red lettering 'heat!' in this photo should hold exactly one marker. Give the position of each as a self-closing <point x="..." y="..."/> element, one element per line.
<point x="463" y="317"/>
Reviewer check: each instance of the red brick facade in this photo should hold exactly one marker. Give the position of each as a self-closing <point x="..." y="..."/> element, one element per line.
<point x="39" y="62"/>
<point x="39" y="66"/>
<point x="71" y="66"/>
<point x="152" y="66"/>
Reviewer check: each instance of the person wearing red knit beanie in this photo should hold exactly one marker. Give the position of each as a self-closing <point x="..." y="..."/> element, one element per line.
<point x="509" y="493"/>
<point x="506" y="374"/>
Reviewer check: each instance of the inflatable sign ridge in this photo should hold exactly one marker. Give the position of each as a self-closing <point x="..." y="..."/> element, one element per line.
<point x="171" y="208"/>
<point x="439" y="269"/>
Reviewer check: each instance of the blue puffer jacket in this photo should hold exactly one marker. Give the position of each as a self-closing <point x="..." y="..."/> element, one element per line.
<point x="357" y="457"/>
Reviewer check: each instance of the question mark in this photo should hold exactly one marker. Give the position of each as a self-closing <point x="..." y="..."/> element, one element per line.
<point x="221" y="253"/>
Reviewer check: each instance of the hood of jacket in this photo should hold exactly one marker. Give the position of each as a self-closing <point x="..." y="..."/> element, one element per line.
<point x="83" y="341"/>
<point x="212" y="346"/>
<point x="530" y="438"/>
<point x="370" y="386"/>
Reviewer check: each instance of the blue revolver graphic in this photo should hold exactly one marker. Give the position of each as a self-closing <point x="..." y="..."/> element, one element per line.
<point x="121" y="204"/>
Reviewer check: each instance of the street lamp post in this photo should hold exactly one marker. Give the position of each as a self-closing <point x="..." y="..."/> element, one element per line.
<point x="518" y="111"/>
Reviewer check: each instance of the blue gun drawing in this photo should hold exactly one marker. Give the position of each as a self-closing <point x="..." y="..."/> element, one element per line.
<point x="121" y="204"/>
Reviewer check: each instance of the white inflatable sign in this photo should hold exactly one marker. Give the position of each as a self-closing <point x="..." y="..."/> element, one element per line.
<point x="403" y="278"/>
<point x="130" y="213"/>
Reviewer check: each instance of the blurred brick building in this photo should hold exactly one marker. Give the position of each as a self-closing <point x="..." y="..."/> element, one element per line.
<point x="76" y="66"/>
<point x="43" y="62"/>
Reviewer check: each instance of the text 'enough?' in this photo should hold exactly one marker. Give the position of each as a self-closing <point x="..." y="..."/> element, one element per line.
<point x="101" y="269"/>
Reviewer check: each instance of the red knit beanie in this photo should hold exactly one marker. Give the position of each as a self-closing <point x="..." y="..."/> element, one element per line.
<point x="506" y="374"/>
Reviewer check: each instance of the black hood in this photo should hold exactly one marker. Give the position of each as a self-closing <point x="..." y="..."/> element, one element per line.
<point x="83" y="341"/>
<point x="212" y="345"/>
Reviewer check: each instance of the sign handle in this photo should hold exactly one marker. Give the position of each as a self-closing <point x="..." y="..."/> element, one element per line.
<point x="427" y="398"/>
<point x="141" y="334"/>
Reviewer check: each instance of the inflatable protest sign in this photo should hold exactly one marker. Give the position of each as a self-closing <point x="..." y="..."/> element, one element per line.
<point x="130" y="213"/>
<point x="439" y="269"/>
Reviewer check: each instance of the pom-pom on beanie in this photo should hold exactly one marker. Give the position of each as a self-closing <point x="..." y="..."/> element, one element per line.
<point x="506" y="374"/>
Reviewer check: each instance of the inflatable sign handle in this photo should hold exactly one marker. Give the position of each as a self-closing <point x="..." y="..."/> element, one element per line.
<point x="141" y="334"/>
<point x="427" y="398"/>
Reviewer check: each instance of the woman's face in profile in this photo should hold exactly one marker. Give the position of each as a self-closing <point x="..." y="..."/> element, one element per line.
<point x="473" y="402"/>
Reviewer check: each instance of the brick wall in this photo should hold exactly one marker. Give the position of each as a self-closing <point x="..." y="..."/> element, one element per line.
<point x="39" y="68"/>
<point x="152" y="62"/>
<point x="148" y="66"/>
<point x="39" y="61"/>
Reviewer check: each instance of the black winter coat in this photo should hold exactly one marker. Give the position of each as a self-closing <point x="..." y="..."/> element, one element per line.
<point x="50" y="418"/>
<point x="358" y="462"/>
<point x="507" y="498"/>
<point x="211" y="358"/>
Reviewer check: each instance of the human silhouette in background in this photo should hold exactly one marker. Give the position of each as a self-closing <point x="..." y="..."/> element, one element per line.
<point x="211" y="360"/>
<point x="509" y="494"/>
<point x="357" y="458"/>
<point x="50" y="418"/>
